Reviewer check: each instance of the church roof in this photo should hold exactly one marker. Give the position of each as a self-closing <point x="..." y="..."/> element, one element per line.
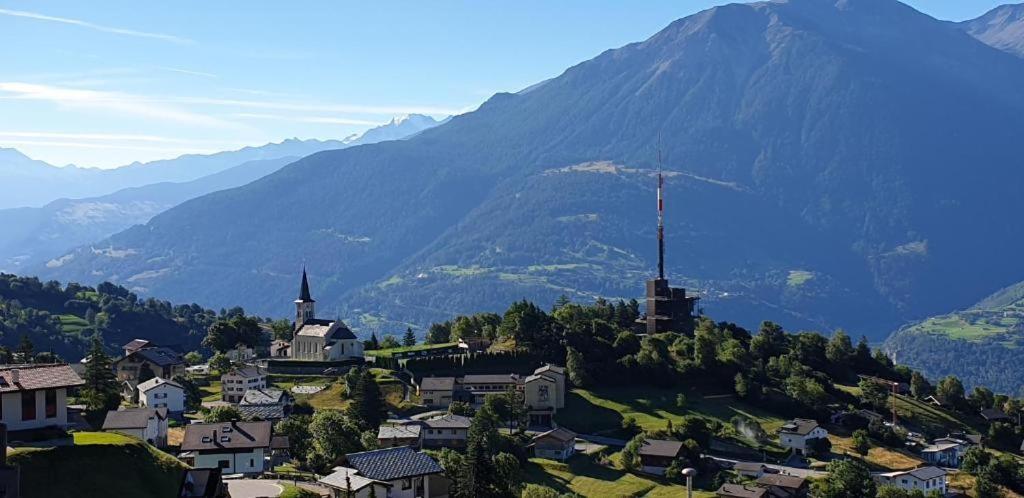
<point x="330" y="329"/>
<point x="304" y="290"/>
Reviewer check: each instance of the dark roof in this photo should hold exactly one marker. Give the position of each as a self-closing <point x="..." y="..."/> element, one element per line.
<point x="262" y="412"/>
<point x="304" y="289"/>
<point x="994" y="414"/>
<point x="741" y="491"/>
<point x="782" y="481"/>
<point x="226" y="436"/>
<point x="137" y="344"/>
<point x="437" y="383"/>
<point x="800" y="426"/>
<point x="393" y="463"/>
<point x="265" y="396"/>
<point x="661" y="448"/>
<point x="159" y="356"/>
<point x="490" y="379"/>
<point x="201" y="483"/>
<point x="32" y="377"/>
<point x="561" y="434"/>
<point x="925" y="473"/>
<point x="132" y="418"/>
<point x="246" y="372"/>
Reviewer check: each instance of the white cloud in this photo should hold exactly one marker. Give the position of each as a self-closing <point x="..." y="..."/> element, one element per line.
<point x="108" y="101"/>
<point x="188" y="72"/>
<point x="310" y="119"/>
<point x="111" y="146"/>
<point x="391" y="110"/>
<point x="107" y="137"/>
<point x="97" y="27"/>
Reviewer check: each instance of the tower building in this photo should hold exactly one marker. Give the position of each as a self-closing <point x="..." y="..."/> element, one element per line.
<point x="305" y="306"/>
<point x="669" y="309"/>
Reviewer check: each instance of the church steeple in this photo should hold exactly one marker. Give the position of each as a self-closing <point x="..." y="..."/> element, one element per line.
<point x="304" y="305"/>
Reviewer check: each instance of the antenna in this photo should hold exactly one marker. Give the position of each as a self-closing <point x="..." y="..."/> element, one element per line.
<point x="661" y="217"/>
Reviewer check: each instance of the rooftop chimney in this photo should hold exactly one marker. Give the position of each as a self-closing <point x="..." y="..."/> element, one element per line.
<point x="15" y="376"/>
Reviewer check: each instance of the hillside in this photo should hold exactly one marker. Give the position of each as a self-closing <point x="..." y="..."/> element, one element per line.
<point x="99" y="464"/>
<point x="814" y="181"/>
<point x="986" y="339"/>
<point x="1001" y="27"/>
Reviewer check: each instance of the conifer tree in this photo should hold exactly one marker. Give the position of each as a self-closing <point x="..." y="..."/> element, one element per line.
<point x="410" y="338"/>
<point x="367" y="406"/>
<point x="100" y="391"/>
<point x="25" y="349"/>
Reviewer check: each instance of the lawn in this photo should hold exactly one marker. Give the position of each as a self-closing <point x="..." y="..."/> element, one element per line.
<point x="879" y="458"/>
<point x="387" y="353"/>
<point x="583" y="476"/>
<point x="87" y="438"/>
<point x="212" y="391"/>
<point x="72" y="324"/>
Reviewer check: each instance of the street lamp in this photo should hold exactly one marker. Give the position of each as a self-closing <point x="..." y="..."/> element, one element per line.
<point x="689" y="473"/>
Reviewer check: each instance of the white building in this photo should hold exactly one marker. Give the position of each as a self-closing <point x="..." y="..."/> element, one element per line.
<point x="926" y="479"/>
<point x="797" y="433"/>
<point x="320" y="340"/>
<point x="162" y="393"/>
<point x="347" y="483"/>
<point x="35" y="396"/>
<point x="235" y="383"/>
<point x="146" y="424"/>
<point x="234" y="447"/>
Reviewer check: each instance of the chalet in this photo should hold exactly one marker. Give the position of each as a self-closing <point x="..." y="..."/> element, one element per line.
<point x="784" y="486"/>
<point x="235" y="383"/>
<point x="446" y="431"/>
<point x="202" y="483"/>
<point x="741" y="491"/>
<point x="162" y="393"/>
<point x="437" y="392"/>
<point x="994" y="415"/>
<point x="925" y="479"/>
<point x="750" y="469"/>
<point x="797" y="433"/>
<point x="161" y="361"/>
<point x="145" y="424"/>
<point x="35" y="396"/>
<point x="317" y="339"/>
<point x="411" y="474"/>
<point x="556" y="444"/>
<point x="390" y="436"/>
<point x="344" y="482"/>
<point x="656" y="455"/>
<point x="135" y="345"/>
<point x="234" y="447"/>
<point x="945" y="452"/>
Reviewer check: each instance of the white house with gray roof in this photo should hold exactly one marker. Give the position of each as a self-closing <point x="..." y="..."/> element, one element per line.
<point x="162" y="393"/>
<point x="797" y="433"/>
<point x="410" y="473"/>
<point x="926" y="479"/>
<point x="145" y="424"/>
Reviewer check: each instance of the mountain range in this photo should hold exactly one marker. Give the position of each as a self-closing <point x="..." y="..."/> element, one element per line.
<point x="35" y="235"/>
<point x="849" y="163"/>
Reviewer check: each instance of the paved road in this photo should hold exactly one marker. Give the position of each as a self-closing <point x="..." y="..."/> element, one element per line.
<point x="253" y="488"/>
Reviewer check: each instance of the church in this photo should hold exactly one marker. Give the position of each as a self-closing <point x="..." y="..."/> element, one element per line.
<point x="318" y="339"/>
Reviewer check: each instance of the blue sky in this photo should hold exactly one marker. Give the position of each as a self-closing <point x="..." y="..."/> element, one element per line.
<point x="107" y="83"/>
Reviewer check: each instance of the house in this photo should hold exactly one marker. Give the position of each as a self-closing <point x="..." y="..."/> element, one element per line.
<point x="784" y="486"/>
<point x="544" y="394"/>
<point x="750" y="469"/>
<point x="797" y="433"/>
<point x="280" y="349"/>
<point x="995" y="415"/>
<point x="35" y="396"/>
<point x="234" y="447"/>
<point x="135" y="345"/>
<point x="146" y="424"/>
<point x="161" y="361"/>
<point x="741" y="491"/>
<point x="969" y="439"/>
<point x="926" y="479"/>
<point x="410" y="473"/>
<point x="437" y="392"/>
<point x="130" y="391"/>
<point x="235" y="383"/>
<point x="241" y="353"/>
<point x="657" y="454"/>
<point x="474" y="388"/>
<point x="198" y="369"/>
<point x="945" y="452"/>
<point x="162" y="393"/>
<point x="317" y="339"/>
<point x="347" y="483"/>
<point x="556" y="444"/>
<point x="266" y="404"/>
<point x="202" y="483"/>
<point x="389" y="436"/>
<point x="446" y="431"/>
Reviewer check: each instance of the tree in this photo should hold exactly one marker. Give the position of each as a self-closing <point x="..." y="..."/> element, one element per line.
<point x="463" y="408"/>
<point x="100" y="391"/>
<point x="282" y="330"/>
<point x="366" y="408"/>
<point x="439" y="333"/>
<point x="951" y="390"/>
<point x="193" y="395"/>
<point x="861" y="441"/>
<point x="332" y="435"/>
<point x="538" y="491"/>
<point x="25" y="349"/>
<point x="630" y="455"/>
<point x="508" y="473"/>
<point x="846" y="479"/>
<point x="372" y="343"/>
<point x="840" y="350"/>
<point x="222" y="414"/>
<point x="576" y="368"/>
<point x="221" y="363"/>
<point x="769" y="341"/>
<point x="479" y="476"/>
<point x="193" y="358"/>
<point x="390" y="342"/>
<point x="705" y="345"/>
<point x="982" y="398"/>
<point x="983" y="486"/>
<point x="410" y="338"/>
<point x="919" y="386"/>
<point x="873" y="393"/>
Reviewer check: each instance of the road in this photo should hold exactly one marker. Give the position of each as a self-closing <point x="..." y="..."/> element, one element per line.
<point x="253" y="488"/>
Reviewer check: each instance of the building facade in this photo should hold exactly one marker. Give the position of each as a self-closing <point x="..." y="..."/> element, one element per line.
<point x="35" y="396"/>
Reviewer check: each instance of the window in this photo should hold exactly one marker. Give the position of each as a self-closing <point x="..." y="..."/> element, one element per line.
<point x="160" y="395"/>
<point x="28" y="405"/>
<point x="406" y="483"/>
<point x="224" y="464"/>
<point x="51" y="403"/>
<point x="252" y="463"/>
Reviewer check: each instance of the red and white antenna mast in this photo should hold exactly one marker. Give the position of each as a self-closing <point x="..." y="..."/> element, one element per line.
<point x="661" y="217"/>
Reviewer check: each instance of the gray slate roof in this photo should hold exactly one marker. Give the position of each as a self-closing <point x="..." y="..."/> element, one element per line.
<point x="800" y="426"/>
<point x="925" y="473"/>
<point x="741" y="491"/>
<point x="160" y="356"/>
<point x="661" y="448"/>
<point x="238" y="435"/>
<point x="399" y="431"/>
<point x="262" y="412"/>
<point x="449" y="421"/>
<point x="393" y="463"/>
<point x="265" y="396"/>
<point x="437" y="384"/>
<point x="156" y="381"/>
<point x="133" y="418"/>
<point x="31" y="377"/>
<point x="782" y="481"/>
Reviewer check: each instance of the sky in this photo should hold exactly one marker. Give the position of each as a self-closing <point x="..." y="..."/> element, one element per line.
<point x="103" y="84"/>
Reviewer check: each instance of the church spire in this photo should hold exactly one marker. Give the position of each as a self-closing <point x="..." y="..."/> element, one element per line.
<point x="304" y="290"/>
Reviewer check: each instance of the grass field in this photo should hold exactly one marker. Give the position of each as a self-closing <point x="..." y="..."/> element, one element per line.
<point x="99" y="464"/>
<point x="878" y="458"/>
<point x="387" y="353"/>
<point x="72" y="324"/>
<point x="583" y="476"/>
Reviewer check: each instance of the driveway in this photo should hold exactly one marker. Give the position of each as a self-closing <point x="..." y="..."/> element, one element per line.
<point x="253" y="488"/>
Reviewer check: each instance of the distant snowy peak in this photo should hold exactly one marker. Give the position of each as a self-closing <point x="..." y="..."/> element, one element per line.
<point x="399" y="128"/>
